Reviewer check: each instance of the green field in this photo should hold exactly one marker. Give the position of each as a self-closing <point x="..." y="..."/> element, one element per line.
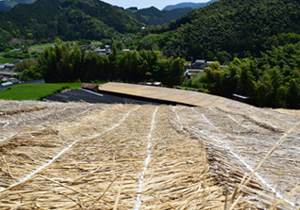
<point x="39" y="47"/>
<point x="36" y="91"/>
<point x="97" y="42"/>
<point x="5" y="60"/>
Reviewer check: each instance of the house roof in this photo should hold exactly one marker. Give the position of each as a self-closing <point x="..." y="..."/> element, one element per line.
<point x="14" y="80"/>
<point x="7" y="83"/>
<point x="241" y="97"/>
<point x="9" y="64"/>
<point x="4" y="79"/>
<point x="6" y="69"/>
<point x="9" y="73"/>
<point x="88" y="86"/>
<point x="199" y="61"/>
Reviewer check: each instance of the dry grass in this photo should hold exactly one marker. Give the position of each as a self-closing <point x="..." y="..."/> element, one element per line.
<point x="82" y="156"/>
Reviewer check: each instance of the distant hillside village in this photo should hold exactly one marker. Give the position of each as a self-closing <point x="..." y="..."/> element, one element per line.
<point x="8" y="77"/>
<point x="8" y="74"/>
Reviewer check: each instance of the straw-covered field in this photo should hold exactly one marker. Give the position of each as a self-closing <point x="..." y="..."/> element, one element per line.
<point x="97" y="156"/>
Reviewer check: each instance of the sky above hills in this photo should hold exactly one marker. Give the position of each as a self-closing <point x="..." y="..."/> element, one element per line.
<point x="160" y="4"/>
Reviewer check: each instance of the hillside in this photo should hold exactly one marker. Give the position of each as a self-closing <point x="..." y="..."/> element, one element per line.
<point x="78" y="19"/>
<point x="154" y="16"/>
<point x="187" y="5"/>
<point x="243" y="27"/>
<point x="68" y="19"/>
<point x="8" y="4"/>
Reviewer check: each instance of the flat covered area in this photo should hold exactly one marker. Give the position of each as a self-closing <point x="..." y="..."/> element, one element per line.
<point x="82" y="95"/>
<point x="170" y="94"/>
<point x="113" y="156"/>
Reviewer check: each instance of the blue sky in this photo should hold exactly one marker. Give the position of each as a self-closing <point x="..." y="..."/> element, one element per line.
<point x="160" y="4"/>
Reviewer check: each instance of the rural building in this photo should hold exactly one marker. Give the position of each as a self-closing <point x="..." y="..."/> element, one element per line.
<point x="14" y="80"/>
<point x="9" y="66"/>
<point x="16" y="50"/>
<point x="6" y="70"/>
<point x="240" y="98"/>
<point x="4" y="78"/>
<point x="198" y="63"/>
<point x="6" y="84"/>
<point x="104" y="51"/>
<point x="100" y="51"/>
<point x="206" y="64"/>
<point x="157" y="84"/>
<point x="94" y="88"/>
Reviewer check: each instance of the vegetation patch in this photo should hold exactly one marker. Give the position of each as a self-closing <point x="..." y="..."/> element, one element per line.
<point x="35" y="91"/>
<point x="5" y="60"/>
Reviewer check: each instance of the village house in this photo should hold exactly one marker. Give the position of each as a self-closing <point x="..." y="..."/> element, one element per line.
<point x="9" y="66"/>
<point x="198" y="63"/>
<point x="94" y="88"/>
<point x="206" y="64"/>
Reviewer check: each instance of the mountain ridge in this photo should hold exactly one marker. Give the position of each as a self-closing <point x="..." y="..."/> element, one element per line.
<point x="186" y="5"/>
<point x="9" y="4"/>
<point x="67" y="19"/>
<point x="154" y="16"/>
<point x="77" y="19"/>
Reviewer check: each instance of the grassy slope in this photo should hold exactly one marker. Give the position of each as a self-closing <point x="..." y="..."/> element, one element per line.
<point x="35" y="91"/>
<point x="5" y="60"/>
<point x="39" y="47"/>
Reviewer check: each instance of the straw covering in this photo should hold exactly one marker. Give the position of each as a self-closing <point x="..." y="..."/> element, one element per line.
<point x="83" y="156"/>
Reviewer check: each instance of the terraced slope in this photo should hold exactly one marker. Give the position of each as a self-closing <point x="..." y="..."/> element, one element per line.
<point x="85" y="156"/>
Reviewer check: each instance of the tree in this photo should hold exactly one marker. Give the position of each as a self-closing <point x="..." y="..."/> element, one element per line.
<point x="30" y="74"/>
<point x="29" y="35"/>
<point x="293" y="94"/>
<point x="176" y="72"/>
<point x="25" y="64"/>
<point x="62" y="63"/>
<point x="223" y="57"/>
<point x="246" y="84"/>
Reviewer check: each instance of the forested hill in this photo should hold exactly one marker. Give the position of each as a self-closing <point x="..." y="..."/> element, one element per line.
<point x="234" y="26"/>
<point x="154" y="16"/>
<point x="8" y="4"/>
<point x="68" y="19"/>
<point x="187" y="5"/>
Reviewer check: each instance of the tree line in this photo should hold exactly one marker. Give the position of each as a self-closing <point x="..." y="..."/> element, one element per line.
<point x="64" y="63"/>
<point x="273" y="80"/>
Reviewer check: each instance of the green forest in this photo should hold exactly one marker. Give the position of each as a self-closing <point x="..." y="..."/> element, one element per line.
<point x="77" y="19"/>
<point x="242" y="28"/>
<point x="67" y="19"/>
<point x="65" y="64"/>
<point x="273" y="80"/>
